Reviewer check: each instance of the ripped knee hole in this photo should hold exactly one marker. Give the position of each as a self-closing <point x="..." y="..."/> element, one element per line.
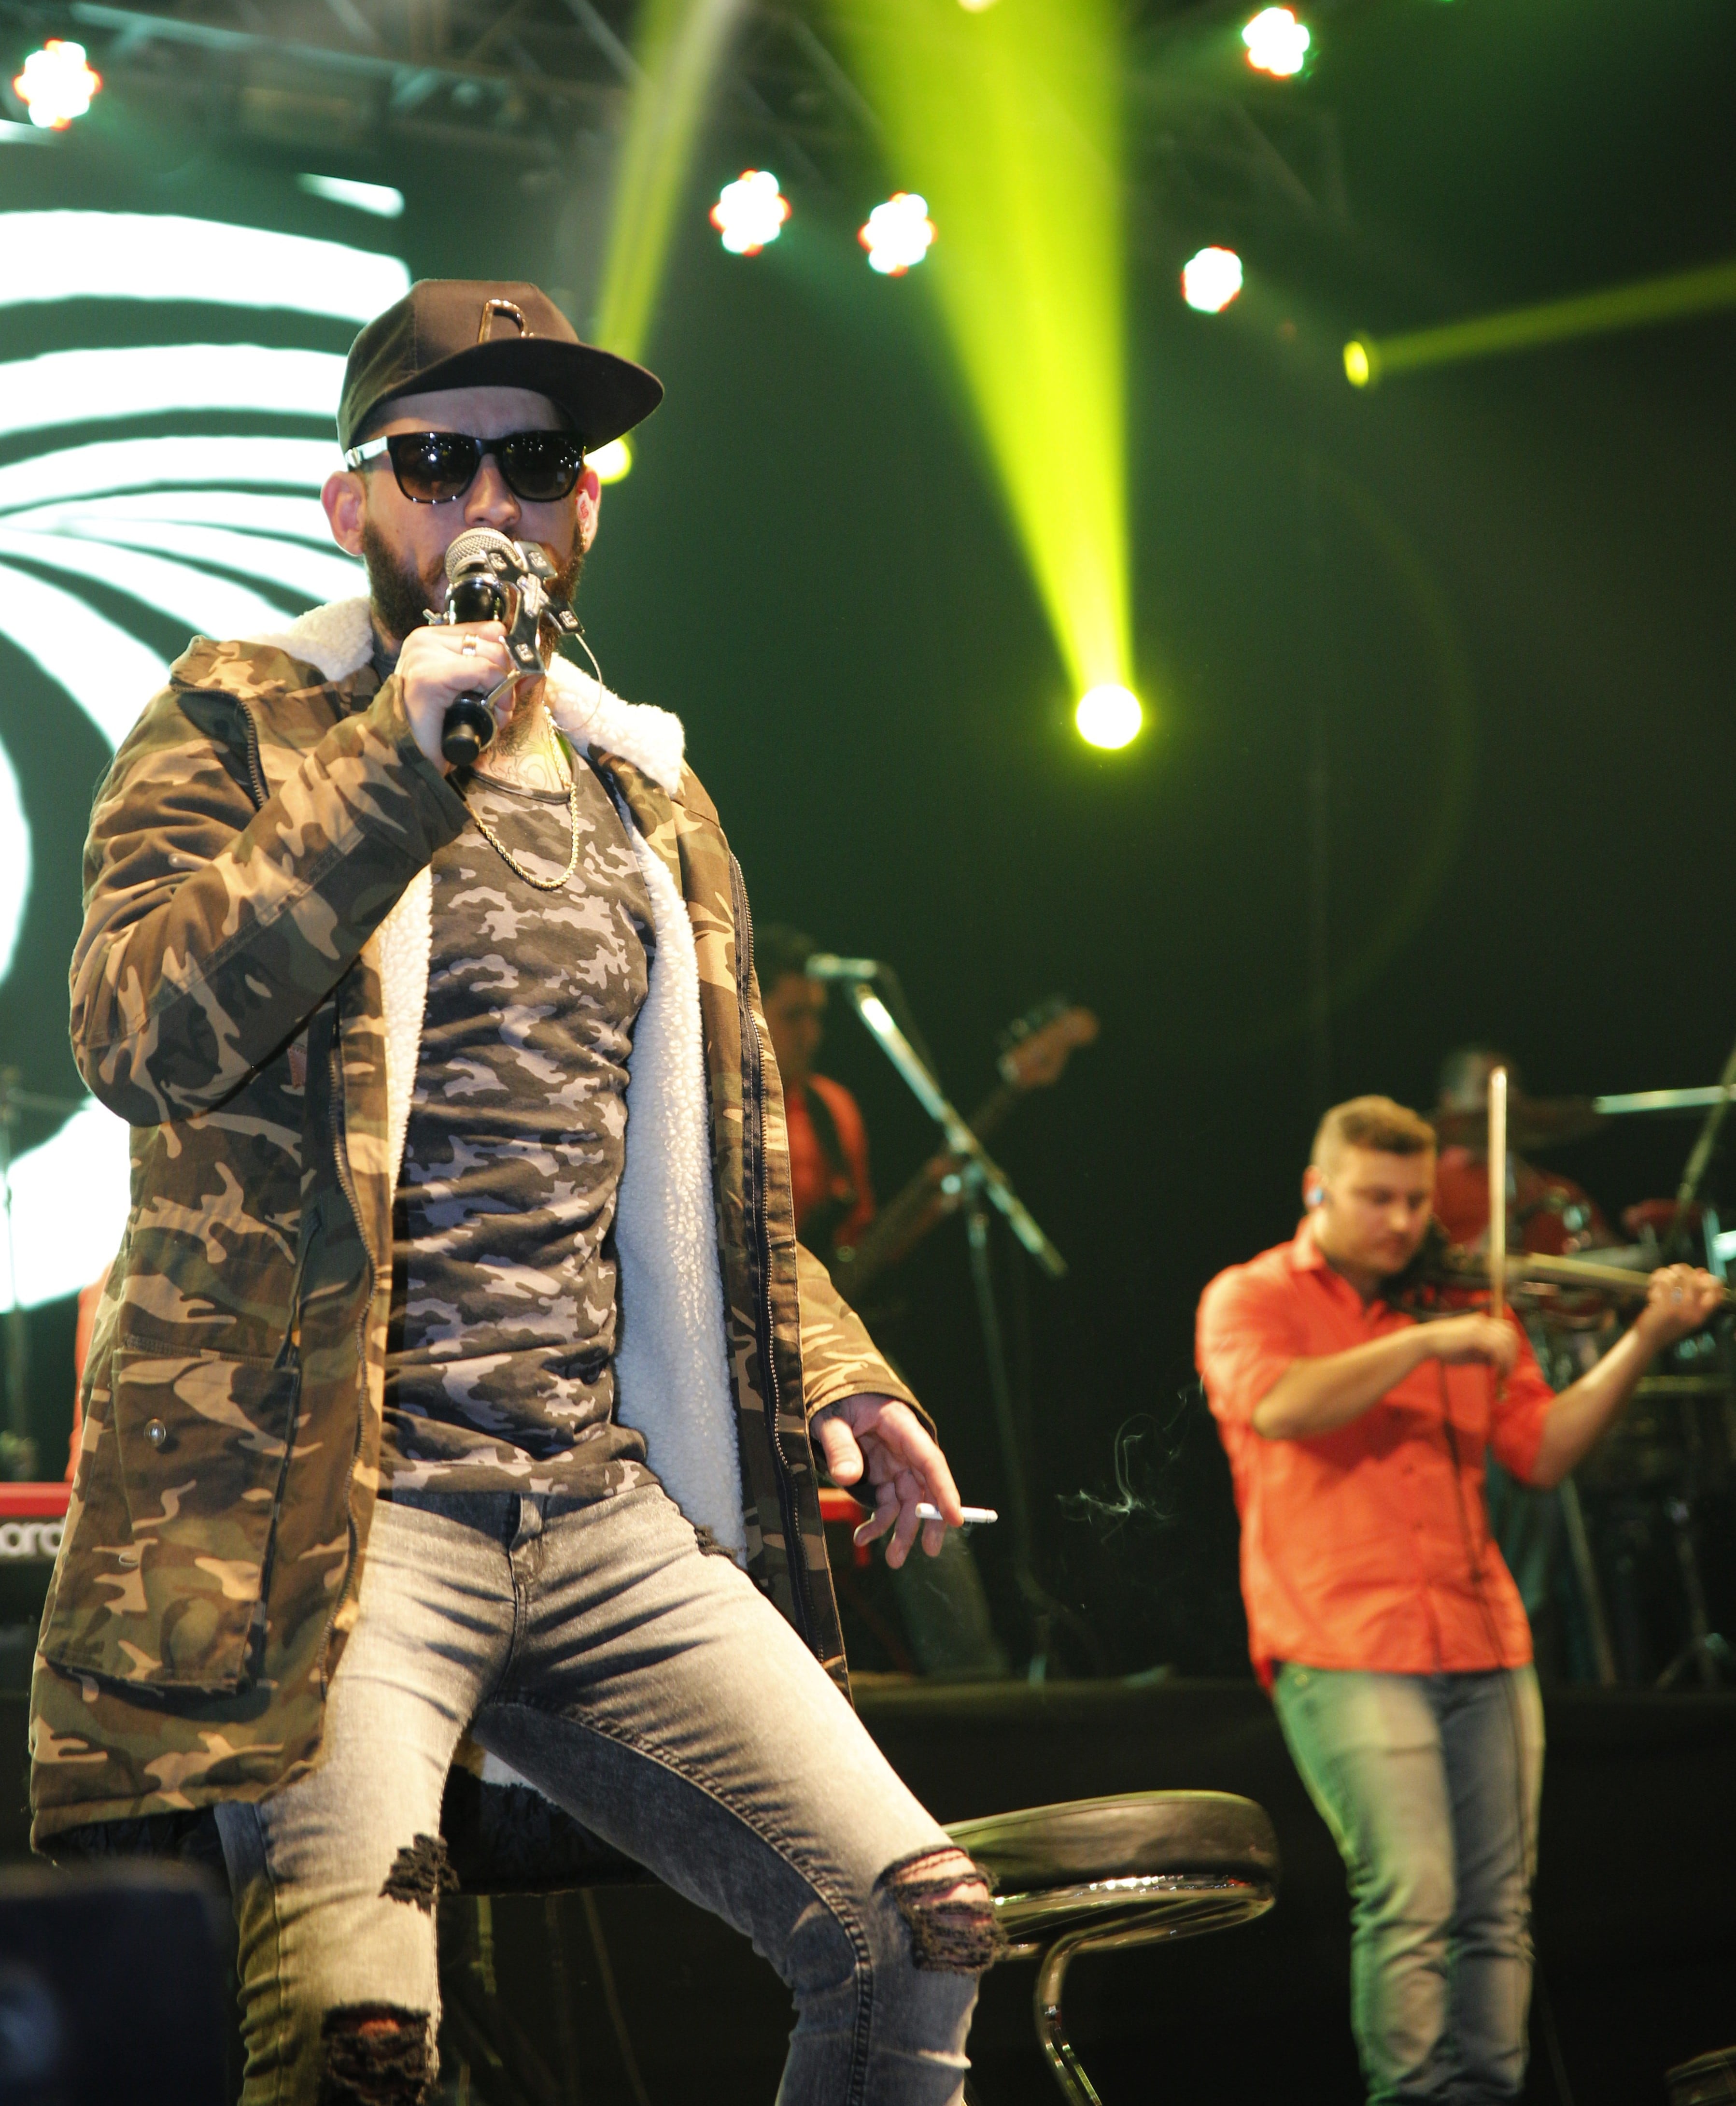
<point x="374" y="2054"/>
<point x="946" y="1908"/>
<point x="421" y="1874"/>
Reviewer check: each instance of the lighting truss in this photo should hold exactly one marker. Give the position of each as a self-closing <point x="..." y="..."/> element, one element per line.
<point x="362" y="76"/>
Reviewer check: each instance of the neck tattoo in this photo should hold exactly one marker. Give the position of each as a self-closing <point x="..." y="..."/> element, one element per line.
<point x="525" y="754"/>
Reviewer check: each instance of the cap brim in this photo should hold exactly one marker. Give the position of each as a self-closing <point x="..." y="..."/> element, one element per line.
<point x="603" y="395"/>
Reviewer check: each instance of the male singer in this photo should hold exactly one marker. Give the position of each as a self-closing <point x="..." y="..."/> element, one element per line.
<point x="460" y="1372"/>
<point x="1380" y="1614"/>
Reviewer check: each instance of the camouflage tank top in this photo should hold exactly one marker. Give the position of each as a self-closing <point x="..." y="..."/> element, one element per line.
<point x="498" y="1376"/>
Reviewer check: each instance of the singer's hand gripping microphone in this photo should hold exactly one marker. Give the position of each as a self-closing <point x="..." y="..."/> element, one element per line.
<point x="490" y="578"/>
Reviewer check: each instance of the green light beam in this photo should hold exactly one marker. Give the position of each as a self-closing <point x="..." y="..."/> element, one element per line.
<point x="1712" y="286"/>
<point x="1009" y="122"/>
<point x="679" y="45"/>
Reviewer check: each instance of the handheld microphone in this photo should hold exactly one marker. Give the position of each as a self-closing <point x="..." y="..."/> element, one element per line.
<point x="477" y="566"/>
<point x="491" y="578"/>
<point x="827" y="965"/>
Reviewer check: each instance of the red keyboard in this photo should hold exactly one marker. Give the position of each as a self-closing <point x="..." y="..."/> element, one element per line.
<point x="31" y="1518"/>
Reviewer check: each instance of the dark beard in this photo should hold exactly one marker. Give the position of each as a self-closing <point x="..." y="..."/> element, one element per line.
<point x="399" y="594"/>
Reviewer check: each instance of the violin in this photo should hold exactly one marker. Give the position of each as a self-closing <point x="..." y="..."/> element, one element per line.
<point x="1443" y="1270"/>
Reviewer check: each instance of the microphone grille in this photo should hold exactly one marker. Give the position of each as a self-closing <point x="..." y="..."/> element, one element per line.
<point x="472" y="548"/>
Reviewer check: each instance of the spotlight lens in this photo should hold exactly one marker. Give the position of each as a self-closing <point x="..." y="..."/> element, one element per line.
<point x="1278" y="43"/>
<point x="1357" y="368"/>
<point x="750" y="212"/>
<point x="611" y="462"/>
<point x="898" y="234"/>
<point x="1108" y="715"/>
<point x="56" y="85"/>
<point x="1211" y="279"/>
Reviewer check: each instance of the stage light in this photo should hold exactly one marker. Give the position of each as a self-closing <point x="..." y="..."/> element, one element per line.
<point x="1011" y="123"/>
<point x="1211" y="279"/>
<point x="56" y="85"/>
<point x="899" y="234"/>
<point x="750" y="212"/>
<point x="1277" y="42"/>
<point x="1705" y="289"/>
<point x="1108" y="715"/>
<point x="678" y="47"/>
<point x="380" y="199"/>
<point x="611" y="462"/>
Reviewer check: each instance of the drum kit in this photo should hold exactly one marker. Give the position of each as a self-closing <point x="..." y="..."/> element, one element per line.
<point x="1639" y="1516"/>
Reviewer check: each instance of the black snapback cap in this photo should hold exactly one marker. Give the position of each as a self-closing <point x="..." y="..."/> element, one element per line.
<point x="483" y="333"/>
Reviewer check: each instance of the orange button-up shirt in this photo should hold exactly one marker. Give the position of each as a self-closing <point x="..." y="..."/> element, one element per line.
<point x="1368" y="1547"/>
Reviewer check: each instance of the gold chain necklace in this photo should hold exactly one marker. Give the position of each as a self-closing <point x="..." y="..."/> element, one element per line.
<point x="511" y="862"/>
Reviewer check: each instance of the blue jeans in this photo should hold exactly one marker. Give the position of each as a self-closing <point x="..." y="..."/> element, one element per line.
<point x="655" y="1694"/>
<point x="1430" y="1785"/>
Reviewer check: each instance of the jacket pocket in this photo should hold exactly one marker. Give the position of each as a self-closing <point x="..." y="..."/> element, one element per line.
<point x="199" y="1445"/>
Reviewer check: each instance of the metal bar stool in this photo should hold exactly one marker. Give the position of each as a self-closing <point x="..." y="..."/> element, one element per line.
<point x="1096" y="1874"/>
<point x="1089" y="1875"/>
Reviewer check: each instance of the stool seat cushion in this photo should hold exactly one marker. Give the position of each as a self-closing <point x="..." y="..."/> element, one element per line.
<point x="1133" y="1834"/>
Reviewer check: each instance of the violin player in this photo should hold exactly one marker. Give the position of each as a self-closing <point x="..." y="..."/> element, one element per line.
<point x="1381" y="1617"/>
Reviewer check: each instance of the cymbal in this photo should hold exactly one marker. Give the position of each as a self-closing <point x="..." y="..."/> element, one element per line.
<point x="1532" y="1122"/>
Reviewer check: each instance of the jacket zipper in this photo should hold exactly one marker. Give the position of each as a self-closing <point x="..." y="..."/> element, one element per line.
<point x="255" y="766"/>
<point x="753" y="1149"/>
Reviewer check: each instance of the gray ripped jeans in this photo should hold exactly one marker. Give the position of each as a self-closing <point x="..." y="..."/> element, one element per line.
<point x="651" y="1690"/>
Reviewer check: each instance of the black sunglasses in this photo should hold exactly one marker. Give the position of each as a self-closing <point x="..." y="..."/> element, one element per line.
<point x="433" y="468"/>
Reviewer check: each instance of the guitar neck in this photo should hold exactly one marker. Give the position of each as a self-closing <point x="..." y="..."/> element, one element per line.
<point x="992" y="1111"/>
<point x="906" y="1218"/>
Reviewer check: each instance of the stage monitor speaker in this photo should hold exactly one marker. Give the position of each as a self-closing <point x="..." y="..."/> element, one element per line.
<point x="112" y="1987"/>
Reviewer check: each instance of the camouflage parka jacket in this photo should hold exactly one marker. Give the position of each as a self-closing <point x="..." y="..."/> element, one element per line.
<point x="247" y="993"/>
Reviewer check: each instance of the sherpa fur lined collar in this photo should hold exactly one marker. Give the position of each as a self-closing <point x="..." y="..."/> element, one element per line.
<point x="337" y="639"/>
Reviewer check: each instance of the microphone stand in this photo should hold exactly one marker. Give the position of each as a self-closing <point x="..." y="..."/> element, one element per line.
<point x="983" y="1184"/>
<point x="990" y="1180"/>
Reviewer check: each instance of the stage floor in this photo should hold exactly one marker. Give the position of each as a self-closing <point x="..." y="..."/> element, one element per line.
<point x="1635" y="1910"/>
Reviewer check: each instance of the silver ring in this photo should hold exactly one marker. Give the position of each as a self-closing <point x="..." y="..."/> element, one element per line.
<point x="1675" y="1294"/>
